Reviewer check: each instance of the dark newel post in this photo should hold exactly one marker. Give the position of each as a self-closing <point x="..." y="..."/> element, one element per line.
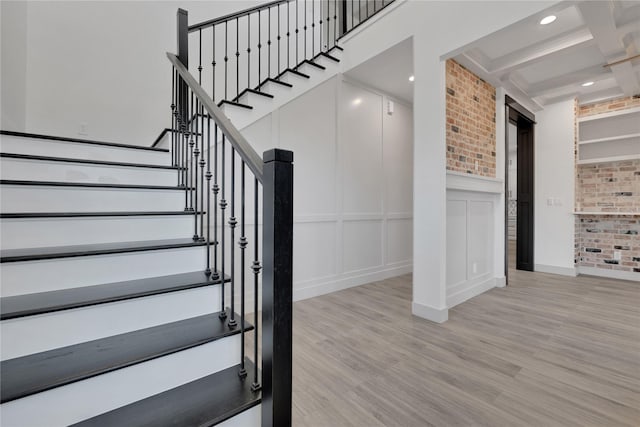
<point x="277" y="288"/>
<point x="183" y="56"/>
<point x="183" y="37"/>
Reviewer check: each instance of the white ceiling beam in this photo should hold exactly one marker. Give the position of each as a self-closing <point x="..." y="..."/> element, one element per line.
<point x="601" y="95"/>
<point x="599" y="18"/>
<point x="573" y="79"/>
<point x="516" y="91"/>
<point x="555" y="46"/>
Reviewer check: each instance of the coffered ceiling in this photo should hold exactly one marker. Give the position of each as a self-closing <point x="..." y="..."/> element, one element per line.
<point x="588" y="42"/>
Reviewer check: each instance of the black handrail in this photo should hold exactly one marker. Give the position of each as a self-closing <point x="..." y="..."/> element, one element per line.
<point x="235" y="15"/>
<point x="244" y="149"/>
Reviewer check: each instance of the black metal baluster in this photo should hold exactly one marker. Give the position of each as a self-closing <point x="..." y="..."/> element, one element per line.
<point x="328" y="23"/>
<point x="260" y="50"/>
<point x="223" y="206"/>
<point x="297" y="57"/>
<point x="191" y="155"/>
<point x="213" y="64"/>
<point x="313" y="29"/>
<point x="269" y="45"/>
<point x="173" y="122"/>
<point x="249" y="52"/>
<point x="256" y="267"/>
<point x="237" y="61"/>
<point x="335" y="22"/>
<point x="367" y="6"/>
<point x="243" y="245"/>
<point x="278" y="70"/>
<point x="215" y="189"/>
<point x="202" y="164"/>
<point x="200" y="57"/>
<point x="305" y="29"/>
<point x="232" y="241"/>
<point x="208" y="176"/>
<point x="320" y="29"/>
<point x="226" y="58"/>
<point x="194" y="165"/>
<point x="288" y="36"/>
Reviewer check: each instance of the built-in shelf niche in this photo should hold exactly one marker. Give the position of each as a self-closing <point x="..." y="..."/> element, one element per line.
<point x="609" y="137"/>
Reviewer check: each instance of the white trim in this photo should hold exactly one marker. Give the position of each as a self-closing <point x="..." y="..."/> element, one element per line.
<point x="609" y="138"/>
<point x="438" y="315"/>
<point x="554" y="269"/>
<point x="501" y="282"/>
<point x="331" y="284"/>
<point x="470" y="292"/>
<point x="355" y="32"/>
<point x="469" y="182"/>
<point x="612" y="274"/>
<point x="608" y="213"/>
<point x="609" y="114"/>
<point x="608" y="159"/>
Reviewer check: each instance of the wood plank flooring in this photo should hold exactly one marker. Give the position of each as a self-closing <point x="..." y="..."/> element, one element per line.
<point x="546" y="351"/>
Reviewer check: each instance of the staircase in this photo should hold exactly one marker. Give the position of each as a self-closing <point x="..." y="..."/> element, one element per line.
<point x="134" y="278"/>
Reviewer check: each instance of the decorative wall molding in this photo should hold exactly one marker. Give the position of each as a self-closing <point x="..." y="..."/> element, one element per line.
<point x="471" y="290"/>
<point x="475" y="183"/>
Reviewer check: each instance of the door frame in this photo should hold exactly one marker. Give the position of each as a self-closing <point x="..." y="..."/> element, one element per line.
<point x="518" y="115"/>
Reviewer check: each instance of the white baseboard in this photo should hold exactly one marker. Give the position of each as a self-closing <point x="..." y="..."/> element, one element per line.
<point x="612" y="274"/>
<point x="470" y="292"/>
<point x="554" y="269"/>
<point x="330" y="284"/>
<point x="438" y="315"/>
<point x="501" y="282"/>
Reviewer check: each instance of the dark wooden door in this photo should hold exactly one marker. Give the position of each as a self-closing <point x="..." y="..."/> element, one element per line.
<point x="524" y="223"/>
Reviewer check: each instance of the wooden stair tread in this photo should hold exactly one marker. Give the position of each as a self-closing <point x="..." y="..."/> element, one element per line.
<point x="204" y="402"/>
<point x="33" y="254"/>
<point x="38" y="372"/>
<point x="65" y="299"/>
<point x="84" y="161"/>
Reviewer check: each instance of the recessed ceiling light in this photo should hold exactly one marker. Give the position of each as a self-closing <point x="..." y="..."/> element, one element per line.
<point x="411" y="78"/>
<point x="548" y="20"/>
<point x="585" y="84"/>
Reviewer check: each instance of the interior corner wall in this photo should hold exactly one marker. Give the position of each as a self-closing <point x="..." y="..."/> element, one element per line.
<point x="98" y="69"/>
<point x="353" y="204"/>
<point x="554" y="189"/>
<point x="433" y="36"/>
<point x="13" y="51"/>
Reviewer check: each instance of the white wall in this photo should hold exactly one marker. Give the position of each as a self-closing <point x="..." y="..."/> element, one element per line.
<point x="554" y="189"/>
<point x="352" y="184"/>
<point x="101" y="64"/>
<point x="14" y="64"/>
<point x="437" y="28"/>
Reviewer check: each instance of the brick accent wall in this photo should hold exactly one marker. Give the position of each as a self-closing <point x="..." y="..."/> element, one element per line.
<point x="611" y="105"/>
<point x="471" y="122"/>
<point x="607" y="188"/>
<point x="602" y="235"/>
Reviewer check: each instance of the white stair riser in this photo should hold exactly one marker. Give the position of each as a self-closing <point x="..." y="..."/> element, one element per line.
<point x="41" y="232"/>
<point x="294" y="79"/>
<point x="78" y="150"/>
<point x="249" y="418"/>
<point x="48" y="275"/>
<point x="84" y="399"/>
<point x="38" y="170"/>
<point x="33" y="334"/>
<point x="23" y="198"/>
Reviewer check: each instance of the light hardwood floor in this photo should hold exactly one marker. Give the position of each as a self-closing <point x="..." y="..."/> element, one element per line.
<point x="546" y="351"/>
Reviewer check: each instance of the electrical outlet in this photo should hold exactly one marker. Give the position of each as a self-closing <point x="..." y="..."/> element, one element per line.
<point x="617" y="255"/>
<point x="476" y="165"/>
<point x="84" y="129"/>
<point x="474" y="267"/>
<point x="550" y="201"/>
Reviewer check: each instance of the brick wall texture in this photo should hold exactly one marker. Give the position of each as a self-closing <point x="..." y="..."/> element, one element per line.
<point x="607" y="188"/>
<point x="471" y="122"/>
